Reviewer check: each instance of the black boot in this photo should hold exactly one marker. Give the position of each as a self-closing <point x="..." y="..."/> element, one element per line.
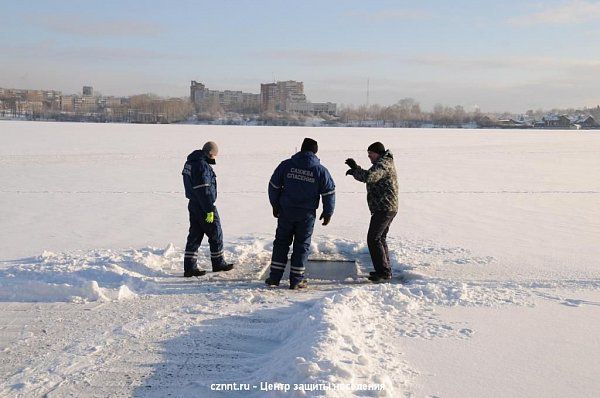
<point x="380" y="277"/>
<point x="223" y="267"/>
<point x="271" y="282"/>
<point x="373" y="273"/>
<point x="194" y="272"/>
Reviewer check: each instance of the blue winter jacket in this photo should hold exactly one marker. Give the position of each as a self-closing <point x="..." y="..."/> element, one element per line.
<point x="297" y="183"/>
<point x="200" y="182"/>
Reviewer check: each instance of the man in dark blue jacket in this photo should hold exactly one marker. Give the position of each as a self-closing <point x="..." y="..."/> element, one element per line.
<point x="200" y="182"/>
<point x="294" y="191"/>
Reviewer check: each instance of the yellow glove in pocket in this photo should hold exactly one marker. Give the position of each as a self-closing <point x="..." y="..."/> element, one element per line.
<point x="210" y="217"/>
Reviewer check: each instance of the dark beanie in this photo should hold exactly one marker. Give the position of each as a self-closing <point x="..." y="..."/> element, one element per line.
<point x="309" y="145"/>
<point x="376" y="147"/>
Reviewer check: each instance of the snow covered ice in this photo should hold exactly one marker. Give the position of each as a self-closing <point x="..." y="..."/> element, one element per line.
<point x="497" y="235"/>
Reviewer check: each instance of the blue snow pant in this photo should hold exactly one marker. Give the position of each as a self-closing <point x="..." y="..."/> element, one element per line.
<point x="297" y="227"/>
<point x="198" y="228"/>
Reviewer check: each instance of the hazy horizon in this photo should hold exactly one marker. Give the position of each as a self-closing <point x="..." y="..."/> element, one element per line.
<point x="512" y="56"/>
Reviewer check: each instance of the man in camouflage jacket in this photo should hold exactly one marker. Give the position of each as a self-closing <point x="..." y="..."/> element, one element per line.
<point x="382" y="198"/>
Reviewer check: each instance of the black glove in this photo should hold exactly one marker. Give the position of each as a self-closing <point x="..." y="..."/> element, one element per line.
<point x="326" y="218"/>
<point x="275" y="212"/>
<point x="350" y="172"/>
<point x="351" y="163"/>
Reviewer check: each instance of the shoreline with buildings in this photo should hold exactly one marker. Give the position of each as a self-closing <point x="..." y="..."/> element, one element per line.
<point x="281" y="103"/>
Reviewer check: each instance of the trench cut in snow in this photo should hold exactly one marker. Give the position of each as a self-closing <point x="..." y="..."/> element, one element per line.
<point x="323" y="269"/>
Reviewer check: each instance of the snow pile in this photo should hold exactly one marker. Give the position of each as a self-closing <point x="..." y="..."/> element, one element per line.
<point x="354" y="335"/>
<point x="104" y="275"/>
<point x="451" y="293"/>
<point x="349" y="336"/>
<point x="98" y="275"/>
<point x="342" y="340"/>
<point x="326" y="346"/>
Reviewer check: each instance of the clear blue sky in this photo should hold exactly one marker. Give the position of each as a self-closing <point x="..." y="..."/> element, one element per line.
<point x="498" y="55"/>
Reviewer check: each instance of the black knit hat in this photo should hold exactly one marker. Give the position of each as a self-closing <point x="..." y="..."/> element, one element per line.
<point x="309" y="145"/>
<point x="376" y="147"/>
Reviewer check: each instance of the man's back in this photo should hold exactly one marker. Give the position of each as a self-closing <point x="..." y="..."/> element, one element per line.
<point x="298" y="182"/>
<point x="294" y="191"/>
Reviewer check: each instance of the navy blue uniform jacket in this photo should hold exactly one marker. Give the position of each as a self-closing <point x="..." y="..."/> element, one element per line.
<point x="200" y="182"/>
<point x="298" y="182"/>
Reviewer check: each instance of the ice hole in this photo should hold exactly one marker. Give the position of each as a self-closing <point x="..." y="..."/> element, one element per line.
<point x="323" y="269"/>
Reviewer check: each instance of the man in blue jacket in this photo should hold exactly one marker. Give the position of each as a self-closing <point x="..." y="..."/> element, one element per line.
<point x="200" y="182"/>
<point x="294" y="191"/>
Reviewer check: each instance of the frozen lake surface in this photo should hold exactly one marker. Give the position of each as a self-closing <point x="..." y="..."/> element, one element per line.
<point x="497" y="232"/>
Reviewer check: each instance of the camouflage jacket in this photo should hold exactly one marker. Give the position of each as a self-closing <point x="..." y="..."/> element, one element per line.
<point x="382" y="184"/>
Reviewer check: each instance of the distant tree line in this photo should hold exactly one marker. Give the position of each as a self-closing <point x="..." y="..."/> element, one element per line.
<point x="407" y="112"/>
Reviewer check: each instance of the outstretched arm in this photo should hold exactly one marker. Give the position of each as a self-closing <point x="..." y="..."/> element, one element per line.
<point x="374" y="174"/>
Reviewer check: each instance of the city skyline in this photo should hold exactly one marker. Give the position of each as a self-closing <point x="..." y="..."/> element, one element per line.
<point x="499" y="57"/>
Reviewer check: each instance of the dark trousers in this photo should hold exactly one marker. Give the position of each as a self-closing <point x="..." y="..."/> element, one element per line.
<point x="376" y="240"/>
<point x="198" y="228"/>
<point x="296" y="227"/>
